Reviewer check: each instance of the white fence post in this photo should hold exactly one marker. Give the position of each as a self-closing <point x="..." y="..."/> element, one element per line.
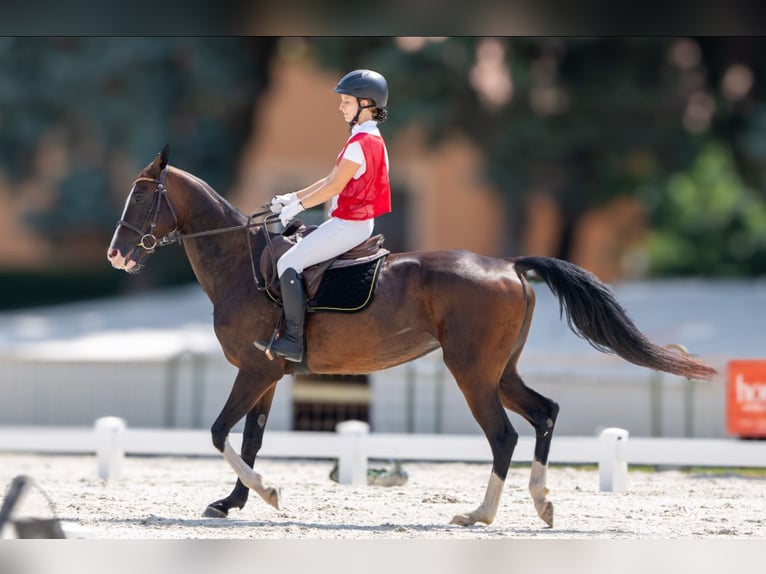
<point x="612" y="462"/>
<point x="352" y="462"/>
<point x="110" y="447"/>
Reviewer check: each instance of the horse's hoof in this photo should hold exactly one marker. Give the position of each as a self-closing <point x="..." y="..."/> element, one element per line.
<point x="275" y="494"/>
<point x="547" y="513"/>
<point x="213" y="512"/>
<point x="462" y="520"/>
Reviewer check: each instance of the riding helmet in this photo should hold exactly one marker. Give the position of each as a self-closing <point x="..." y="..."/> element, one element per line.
<point x="365" y="84"/>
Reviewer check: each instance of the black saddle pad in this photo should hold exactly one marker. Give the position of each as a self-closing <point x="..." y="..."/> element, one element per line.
<point x="346" y="289"/>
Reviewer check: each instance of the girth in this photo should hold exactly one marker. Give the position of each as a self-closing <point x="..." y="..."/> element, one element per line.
<point x="367" y="251"/>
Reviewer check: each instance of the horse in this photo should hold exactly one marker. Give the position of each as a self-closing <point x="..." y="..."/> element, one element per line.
<point x="477" y="309"/>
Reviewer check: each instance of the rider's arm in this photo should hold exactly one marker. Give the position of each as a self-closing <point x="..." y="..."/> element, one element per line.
<point x="327" y="187"/>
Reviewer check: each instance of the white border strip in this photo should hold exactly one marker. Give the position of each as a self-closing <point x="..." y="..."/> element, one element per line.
<point x="469" y="448"/>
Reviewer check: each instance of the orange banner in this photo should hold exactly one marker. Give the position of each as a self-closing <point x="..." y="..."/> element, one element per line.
<point x="746" y="398"/>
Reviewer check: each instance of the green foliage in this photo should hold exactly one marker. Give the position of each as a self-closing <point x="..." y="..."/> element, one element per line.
<point x="707" y="220"/>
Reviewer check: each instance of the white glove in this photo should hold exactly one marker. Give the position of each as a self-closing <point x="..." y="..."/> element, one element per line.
<point x="289" y="211"/>
<point x="280" y="201"/>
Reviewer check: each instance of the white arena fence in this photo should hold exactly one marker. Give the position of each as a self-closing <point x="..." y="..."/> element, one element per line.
<point x="353" y="446"/>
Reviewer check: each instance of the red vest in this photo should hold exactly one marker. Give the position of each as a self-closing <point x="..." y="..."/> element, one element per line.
<point x="370" y="195"/>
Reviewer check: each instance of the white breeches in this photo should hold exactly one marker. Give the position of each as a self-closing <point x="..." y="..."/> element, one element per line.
<point x="332" y="238"/>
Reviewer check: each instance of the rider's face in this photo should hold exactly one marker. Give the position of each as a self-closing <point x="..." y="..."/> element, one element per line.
<point x="348" y="107"/>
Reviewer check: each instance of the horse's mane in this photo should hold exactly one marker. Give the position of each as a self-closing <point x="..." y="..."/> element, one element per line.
<point x="209" y="190"/>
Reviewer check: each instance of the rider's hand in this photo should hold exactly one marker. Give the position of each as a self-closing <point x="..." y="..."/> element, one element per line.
<point x="280" y="201"/>
<point x="289" y="211"/>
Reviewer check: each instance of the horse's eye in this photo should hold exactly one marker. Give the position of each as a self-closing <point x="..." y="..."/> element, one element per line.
<point x="138" y="198"/>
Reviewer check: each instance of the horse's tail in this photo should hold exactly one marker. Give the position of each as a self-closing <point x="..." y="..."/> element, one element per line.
<point x="594" y="314"/>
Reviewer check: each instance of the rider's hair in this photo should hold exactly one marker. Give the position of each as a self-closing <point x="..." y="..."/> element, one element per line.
<point x="380" y="115"/>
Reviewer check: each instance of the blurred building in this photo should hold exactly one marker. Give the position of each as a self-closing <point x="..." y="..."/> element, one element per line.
<point x="438" y="199"/>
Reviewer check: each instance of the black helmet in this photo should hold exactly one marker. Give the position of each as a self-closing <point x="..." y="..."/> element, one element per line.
<point x="365" y="84"/>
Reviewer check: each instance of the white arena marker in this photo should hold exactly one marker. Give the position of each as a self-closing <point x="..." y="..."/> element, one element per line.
<point x="110" y="447"/>
<point x="612" y="463"/>
<point x="352" y="462"/>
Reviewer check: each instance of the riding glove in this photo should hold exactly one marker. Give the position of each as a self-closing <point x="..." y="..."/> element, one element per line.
<point x="289" y="211"/>
<point x="280" y="201"/>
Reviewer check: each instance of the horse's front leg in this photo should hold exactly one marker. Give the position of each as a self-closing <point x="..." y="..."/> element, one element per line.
<point x="252" y="439"/>
<point x="247" y="389"/>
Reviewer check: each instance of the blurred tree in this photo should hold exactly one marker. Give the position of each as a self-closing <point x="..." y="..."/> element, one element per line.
<point x="81" y="115"/>
<point x="584" y="120"/>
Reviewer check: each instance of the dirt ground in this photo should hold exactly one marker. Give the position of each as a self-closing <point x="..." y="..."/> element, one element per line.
<point x="163" y="498"/>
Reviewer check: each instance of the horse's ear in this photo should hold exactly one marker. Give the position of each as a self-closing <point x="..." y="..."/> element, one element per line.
<point x="160" y="161"/>
<point x="164" y="156"/>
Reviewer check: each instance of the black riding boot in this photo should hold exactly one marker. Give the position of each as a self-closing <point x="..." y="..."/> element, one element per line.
<point x="290" y="343"/>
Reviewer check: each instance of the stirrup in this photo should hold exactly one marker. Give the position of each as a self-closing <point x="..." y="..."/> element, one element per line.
<point x="266" y="347"/>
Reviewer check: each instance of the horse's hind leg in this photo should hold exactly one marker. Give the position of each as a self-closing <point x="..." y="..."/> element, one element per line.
<point x="488" y="412"/>
<point x="502" y="437"/>
<point x="541" y="413"/>
<point x="252" y="439"/>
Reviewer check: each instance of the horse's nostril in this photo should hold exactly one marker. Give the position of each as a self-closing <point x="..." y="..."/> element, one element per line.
<point x="112" y="254"/>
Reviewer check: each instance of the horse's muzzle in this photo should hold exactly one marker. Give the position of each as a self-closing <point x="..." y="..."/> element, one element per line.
<point x="120" y="261"/>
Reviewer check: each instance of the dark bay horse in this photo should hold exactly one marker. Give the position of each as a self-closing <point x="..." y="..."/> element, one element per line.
<point x="477" y="309"/>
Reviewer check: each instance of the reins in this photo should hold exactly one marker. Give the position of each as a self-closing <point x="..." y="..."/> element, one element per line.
<point x="175" y="237"/>
<point x="149" y="242"/>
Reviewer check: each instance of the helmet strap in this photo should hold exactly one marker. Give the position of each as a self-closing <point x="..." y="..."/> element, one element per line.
<point x="359" y="109"/>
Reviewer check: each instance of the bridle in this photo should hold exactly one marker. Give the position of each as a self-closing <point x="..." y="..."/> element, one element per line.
<point x="149" y="242"/>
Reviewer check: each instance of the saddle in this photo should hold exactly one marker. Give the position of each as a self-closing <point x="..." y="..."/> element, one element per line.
<point x="370" y="250"/>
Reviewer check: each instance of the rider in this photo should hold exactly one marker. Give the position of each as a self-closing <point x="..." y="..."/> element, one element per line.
<point x="360" y="191"/>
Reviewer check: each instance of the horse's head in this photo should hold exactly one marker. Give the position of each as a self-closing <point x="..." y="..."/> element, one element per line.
<point x="147" y="216"/>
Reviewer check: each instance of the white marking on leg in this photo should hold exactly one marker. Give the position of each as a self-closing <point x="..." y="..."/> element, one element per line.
<point x="250" y="477"/>
<point x="488" y="508"/>
<point x="539" y="491"/>
<point x="538" y="480"/>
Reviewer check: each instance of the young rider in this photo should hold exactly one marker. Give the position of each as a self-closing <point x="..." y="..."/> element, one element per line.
<point x="359" y="188"/>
